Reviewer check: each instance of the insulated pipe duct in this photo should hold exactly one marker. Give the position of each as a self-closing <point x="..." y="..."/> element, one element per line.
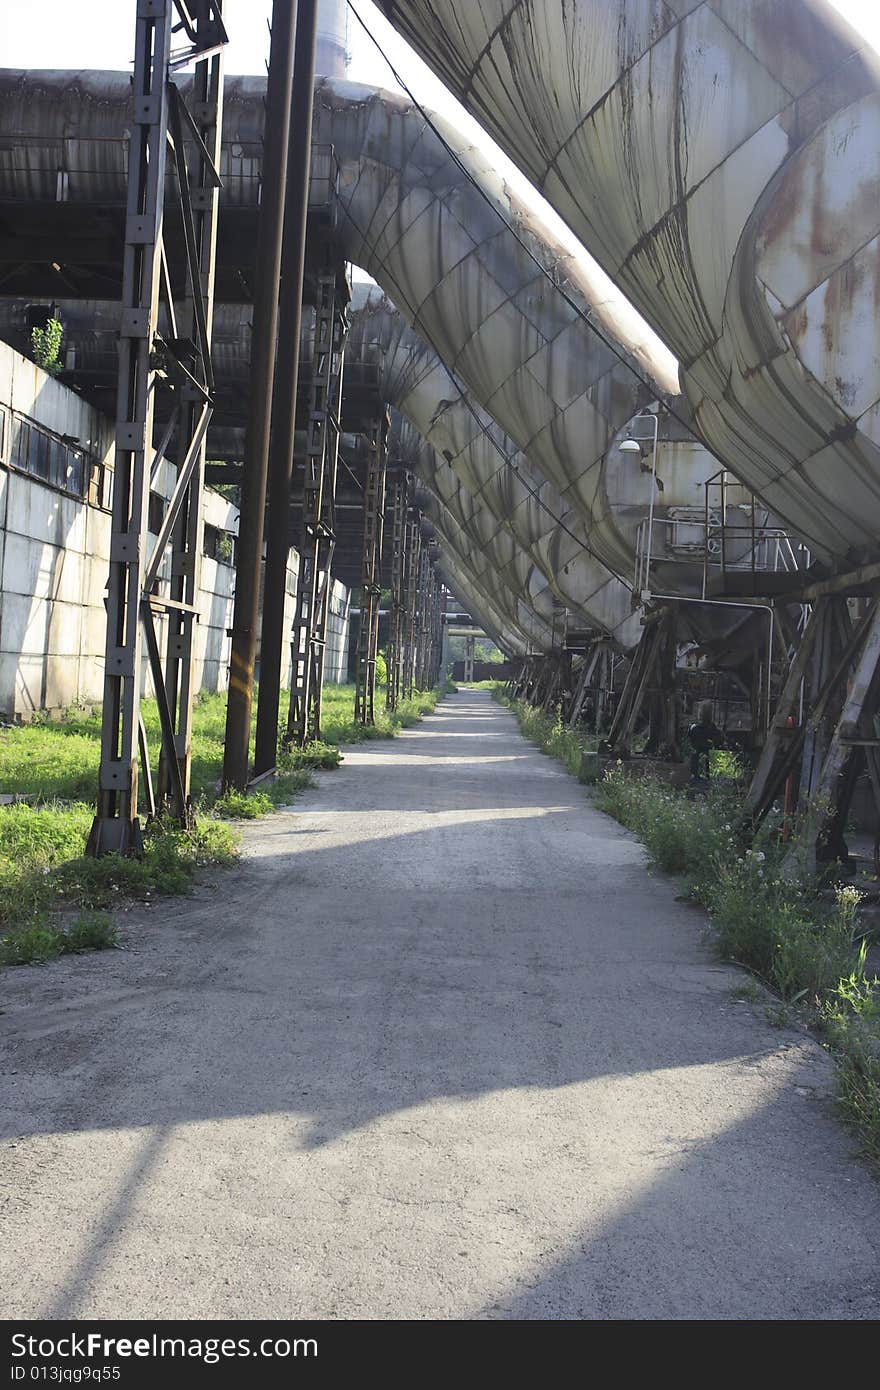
<point x="487" y="556"/>
<point x="477" y="574"/>
<point x="508" y="637"/>
<point x="504" y="577"/>
<point x="489" y="468"/>
<point x="719" y="158"/>
<point x="454" y="445"/>
<point x="433" y="232"/>
<point x="485" y="533"/>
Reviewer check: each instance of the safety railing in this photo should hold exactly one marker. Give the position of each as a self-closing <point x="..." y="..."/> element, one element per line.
<point x="713" y="547"/>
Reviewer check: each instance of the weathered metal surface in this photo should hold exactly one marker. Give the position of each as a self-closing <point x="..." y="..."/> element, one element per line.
<point x="548" y="400"/>
<point x="283" y="426"/>
<point x="435" y="234"/>
<point x="718" y="157"/>
<point x="512" y="514"/>
<point x="236" y="749"/>
<point x="161" y="118"/>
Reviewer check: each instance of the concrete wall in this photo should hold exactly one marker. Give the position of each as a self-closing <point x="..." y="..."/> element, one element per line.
<point x="338" y="627"/>
<point x="54" y="559"/>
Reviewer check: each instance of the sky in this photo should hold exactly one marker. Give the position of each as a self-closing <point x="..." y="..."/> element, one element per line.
<point x="52" y="34"/>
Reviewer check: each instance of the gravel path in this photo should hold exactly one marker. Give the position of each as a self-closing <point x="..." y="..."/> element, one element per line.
<point x="440" y="1047"/>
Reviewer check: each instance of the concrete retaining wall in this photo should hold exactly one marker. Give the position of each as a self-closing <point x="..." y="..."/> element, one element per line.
<point x="54" y="555"/>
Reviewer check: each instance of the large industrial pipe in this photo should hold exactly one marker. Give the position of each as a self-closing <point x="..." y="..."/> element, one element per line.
<point x="431" y="223"/>
<point x="719" y="159"/>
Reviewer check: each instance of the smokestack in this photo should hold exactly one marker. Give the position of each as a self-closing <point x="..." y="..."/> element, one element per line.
<point x="331" y="56"/>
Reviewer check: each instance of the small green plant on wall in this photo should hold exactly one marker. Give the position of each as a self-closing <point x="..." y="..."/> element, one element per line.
<point x="46" y="345"/>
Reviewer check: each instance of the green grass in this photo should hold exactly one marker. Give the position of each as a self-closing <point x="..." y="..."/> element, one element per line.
<point x="338" y="714"/>
<point x="52" y="896"/>
<point x="809" y="951"/>
<point x="317" y="754"/>
<point x="548" y="732"/>
<point x="58" y="760"/>
<point x="38" y="942"/>
<point x="783" y="930"/>
<point x="50" y="892"/>
<point x="851" y="1019"/>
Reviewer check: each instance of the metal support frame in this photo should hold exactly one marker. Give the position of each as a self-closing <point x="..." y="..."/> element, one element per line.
<point x="436" y="631"/>
<point x="394" y="656"/>
<point x="371" y="570"/>
<point x="430" y="626"/>
<point x="299" y="156"/>
<point x="650" y="687"/>
<point x="412" y="559"/>
<point x="264" y="337"/>
<point x="318" y="528"/>
<point x="834" y="676"/>
<point x="555" y="682"/>
<point x="590" y="683"/>
<point x="181" y="363"/>
<point x="527" y="679"/>
<point x="423" y="631"/>
<point x="440" y="636"/>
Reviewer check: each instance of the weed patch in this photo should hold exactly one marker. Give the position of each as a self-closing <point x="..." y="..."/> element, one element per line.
<point x="235" y="805"/>
<point x="338" y="724"/>
<point x="318" y="755"/>
<point x="549" y="733"/>
<point x="850" y="1016"/>
<point x="45" y="877"/>
<point x="692" y="838"/>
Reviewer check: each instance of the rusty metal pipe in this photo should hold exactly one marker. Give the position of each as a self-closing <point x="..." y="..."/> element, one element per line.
<point x="262" y="371"/>
<point x="284" y="402"/>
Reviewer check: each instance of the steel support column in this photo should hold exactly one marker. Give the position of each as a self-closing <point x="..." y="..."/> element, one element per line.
<point x="182" y="364"/>
<point x="198" y="184"/>
<point x="286" y="378"/>
<point x="422" y="617"/>
<point x="394" y="656"/>
<point x="835" y="672"/>
<point x="649" y="689"/>
<point x="249" y="559"/>
<point x="437" y="633"/>
<point x="853" y="744"/>
<point x="371" y="571"/>
<point x="318" y="529"/>
<point x="410" y="628"/>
